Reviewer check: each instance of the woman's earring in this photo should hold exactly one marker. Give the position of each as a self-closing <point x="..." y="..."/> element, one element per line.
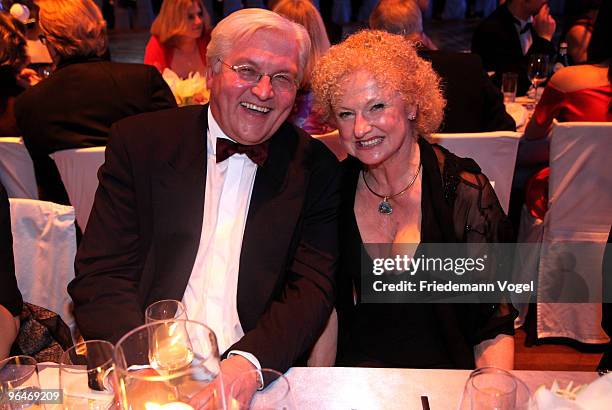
<point x="412" y="116"/>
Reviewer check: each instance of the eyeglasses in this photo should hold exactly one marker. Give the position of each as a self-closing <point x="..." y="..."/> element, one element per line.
<point x="279" y="81"/>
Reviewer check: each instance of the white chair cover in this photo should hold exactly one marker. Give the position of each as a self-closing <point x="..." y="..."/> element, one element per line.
<point x="495" y="153"/>
<point x="79" y="171"/>
<point x="44" y="245"/>
<point x="17" y="169"/>
<point x="579" y="210"/>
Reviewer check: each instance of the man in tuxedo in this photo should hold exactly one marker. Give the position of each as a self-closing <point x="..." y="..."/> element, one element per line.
<point x="473" y="103"/>
<point x="511" y="34"/>
<point x="76" y="106"/>
<point x="226" y="207"/>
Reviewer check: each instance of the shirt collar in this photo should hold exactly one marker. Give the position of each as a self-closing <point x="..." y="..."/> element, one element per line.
<point x="522" y="23"/>
<point x="214" y="132"/>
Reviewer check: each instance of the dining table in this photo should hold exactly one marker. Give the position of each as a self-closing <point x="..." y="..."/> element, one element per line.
<point x="344" y="388"/>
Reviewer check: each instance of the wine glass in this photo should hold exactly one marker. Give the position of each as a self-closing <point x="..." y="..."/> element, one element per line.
<point x="276" y="396"/>
<point x="493" y="388"/>
<point x="86" y="376"/>
<point x="538" y="69"/>
<point x="164" y="310"/>
<point x="18" y="375"/>
<point x="169" y="364"/>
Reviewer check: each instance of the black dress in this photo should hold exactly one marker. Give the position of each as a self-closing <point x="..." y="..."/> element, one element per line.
<point x="422" y="335"/>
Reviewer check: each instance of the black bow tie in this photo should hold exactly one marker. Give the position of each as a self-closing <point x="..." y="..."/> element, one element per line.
<point x="526" y="28"/>
<point x="256" y="153"/>
<point x="523" y="29"/>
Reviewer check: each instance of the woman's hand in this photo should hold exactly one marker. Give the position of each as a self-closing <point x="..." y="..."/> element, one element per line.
<point x="498" y="352"/>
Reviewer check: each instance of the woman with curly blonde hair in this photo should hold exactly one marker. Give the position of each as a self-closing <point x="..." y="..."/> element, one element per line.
<point x="400" y="189"/>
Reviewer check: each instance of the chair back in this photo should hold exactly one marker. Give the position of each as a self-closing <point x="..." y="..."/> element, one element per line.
<point x="579" y="212"/>
<point x="78" y="169"/>
<point x="17" y="169"/>
<point x="495" y="153"/>
<point x="44" y="247"/>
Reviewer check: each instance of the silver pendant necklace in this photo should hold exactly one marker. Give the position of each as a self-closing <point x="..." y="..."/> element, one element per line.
<point x="384" y="207"/>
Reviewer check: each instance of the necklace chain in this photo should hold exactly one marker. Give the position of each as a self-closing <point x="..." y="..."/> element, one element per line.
<point x="385" y="207"/>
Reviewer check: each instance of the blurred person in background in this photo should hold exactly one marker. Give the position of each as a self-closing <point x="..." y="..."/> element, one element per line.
<point x="303" y="12"/>
<point x="582" y="92"/>
<point x="179" y="36"/>
<point x="77" y="104"/>
<point x="14" y="76"/>
<point x="579" y="34"/>
<point x="404" y="17"/>
<point x="400" y="189"/>
<point x="507" y="38"/>
<point x="575" y="93"/>
<point x="474" y="104"/>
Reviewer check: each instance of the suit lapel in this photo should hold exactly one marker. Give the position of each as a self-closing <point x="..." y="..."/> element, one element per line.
<point x="273" y="217"/>
<point x="178" y="187"/>
<point x="516" y="40"/>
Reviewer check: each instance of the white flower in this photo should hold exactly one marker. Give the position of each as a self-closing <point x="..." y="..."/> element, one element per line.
<point x="191" y="90"/>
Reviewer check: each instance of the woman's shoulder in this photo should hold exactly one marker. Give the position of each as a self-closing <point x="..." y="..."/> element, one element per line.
<point x="155" y="53"/>
<point x="454" y="167"/>
<point x="579" y="77"/>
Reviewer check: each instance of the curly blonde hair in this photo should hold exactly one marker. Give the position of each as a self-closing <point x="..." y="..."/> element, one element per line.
<point x="393" y="63"/>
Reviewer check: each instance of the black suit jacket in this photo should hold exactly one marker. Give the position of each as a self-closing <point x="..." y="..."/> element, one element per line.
<point x="497" y="42"/>
<point x="76" y="106"/>
<point x="473" y="103"/>
<point x="144" y="231"/>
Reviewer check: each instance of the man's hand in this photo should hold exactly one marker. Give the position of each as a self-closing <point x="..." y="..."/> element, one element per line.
<point x="232" y="369"/>
<point x="544" y="24"/>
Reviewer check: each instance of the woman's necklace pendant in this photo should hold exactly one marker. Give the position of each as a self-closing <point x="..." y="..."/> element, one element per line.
<point x="385" y="207"/>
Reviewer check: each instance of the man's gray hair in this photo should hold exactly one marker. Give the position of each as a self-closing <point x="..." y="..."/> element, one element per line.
<point x="243" y="24"/>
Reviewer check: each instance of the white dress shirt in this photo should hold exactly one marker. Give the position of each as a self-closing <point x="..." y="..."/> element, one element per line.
<point x="211" y="293"/>
<point x="526" y="38"/>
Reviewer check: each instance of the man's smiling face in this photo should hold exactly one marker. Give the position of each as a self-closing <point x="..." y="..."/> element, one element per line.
<point x="250" y="113"/>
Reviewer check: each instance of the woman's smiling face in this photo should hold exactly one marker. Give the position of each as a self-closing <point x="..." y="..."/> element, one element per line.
<point x="372" y="120"/>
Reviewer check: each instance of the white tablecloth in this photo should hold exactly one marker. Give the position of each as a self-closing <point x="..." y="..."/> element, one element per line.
<point x="359" y="388"/>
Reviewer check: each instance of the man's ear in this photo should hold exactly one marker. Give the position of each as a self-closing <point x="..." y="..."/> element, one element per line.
<point x="209" y="74"/>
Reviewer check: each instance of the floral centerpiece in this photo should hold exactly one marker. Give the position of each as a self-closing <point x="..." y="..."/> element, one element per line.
<point x="189" y="91"/>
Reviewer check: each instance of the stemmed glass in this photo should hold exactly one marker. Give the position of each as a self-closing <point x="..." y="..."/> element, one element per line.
<point x="276" y="396"/>
<point x="86" y="376"/>
<point x="169" y="364"/>
<point x="538" y="69"/>
<point x="164" y="310"/>
<point x="18" y="375"/>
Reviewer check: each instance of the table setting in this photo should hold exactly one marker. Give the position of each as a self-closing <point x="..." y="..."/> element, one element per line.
<point x="172" y="363"/>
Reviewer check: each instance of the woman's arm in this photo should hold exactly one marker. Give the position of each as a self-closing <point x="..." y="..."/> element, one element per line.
<point x="545" y="112"/>
<point x="9" y="327"/>
<point x="498" y="352"/>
